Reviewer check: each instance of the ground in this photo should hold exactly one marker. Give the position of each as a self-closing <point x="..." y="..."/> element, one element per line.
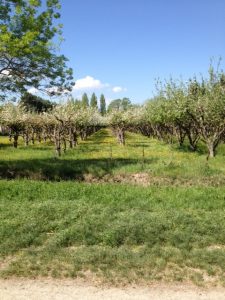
<point x="75" y="290"/>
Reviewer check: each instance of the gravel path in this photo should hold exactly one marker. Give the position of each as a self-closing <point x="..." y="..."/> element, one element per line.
<point x="17" y="289"/>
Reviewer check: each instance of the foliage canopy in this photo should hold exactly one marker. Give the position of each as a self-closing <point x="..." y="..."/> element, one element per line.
<point x="28" y="56"/>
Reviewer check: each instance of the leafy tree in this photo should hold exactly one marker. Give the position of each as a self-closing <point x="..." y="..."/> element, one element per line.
<point x="102" y="105"/>
<point x="85" y="100"/>
<point x="114" y="105"/>
<point x="77" y="103"/>
<point x="28" y="56"/>
<point x="208" y="110"/>
<point x="14" y="117"/>
<point x="34" y="103"/>
<point x="120" y="121"/>
<point x="126" y="104"/>
<point x="67" y="121"/>
<point x="120" y="104"/>
<point x="195" y="109"/>
<point x="94" y="101"/>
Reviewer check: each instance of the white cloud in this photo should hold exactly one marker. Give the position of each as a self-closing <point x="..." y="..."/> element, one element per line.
<point x="118" y="89"/>
<point x="50" y="91"/>
<point x="89" y="82"/>
<point x="33" y="91"/>
<point x="5" y="72"/>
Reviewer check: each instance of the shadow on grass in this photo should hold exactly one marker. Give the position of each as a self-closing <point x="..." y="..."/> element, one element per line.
<point x="4" y="146"/>
<point x="201" y="149"/>
<point x="35" y="148"/>
<point x="63" y="169"/>
<point x="99" y="137"/>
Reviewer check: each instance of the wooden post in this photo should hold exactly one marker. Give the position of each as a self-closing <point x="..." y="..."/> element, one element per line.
<point x="143" y="156"/>
<point x="110" y="151"/>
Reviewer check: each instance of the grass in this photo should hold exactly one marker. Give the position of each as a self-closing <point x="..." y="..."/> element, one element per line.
<point x="165" y="164"/>
<point x="120" y="233"/>
<point x="172" y="229"/>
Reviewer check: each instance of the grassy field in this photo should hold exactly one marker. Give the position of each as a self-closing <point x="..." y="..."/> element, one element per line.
<point x="100" y="156"/>
<point x="168" y="225"/>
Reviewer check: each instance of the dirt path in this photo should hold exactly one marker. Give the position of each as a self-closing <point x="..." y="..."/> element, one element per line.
<point x="68" y="289"/>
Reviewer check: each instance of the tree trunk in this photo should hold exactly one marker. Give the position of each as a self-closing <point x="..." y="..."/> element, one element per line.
<point x="84" y="135"/>
<point x="64" y="145"/>
<point x="121" y="137"/>
<point x="211" y="150"/>
<point x="72" y="138"/>
<point x="58" y="148"/>
<point x="39" y="138"/>
<point x="181" y="139"/>
<point x="15" y="140"/>
<point x="193" y="142"/>
<point x="32" y="137"/>
<point x="57" y="139"/>
<point x="45" y="137"/>
<point x="10" y="136"/>
<point x="212" y="144"/>
<point x="26" y="139"/>
<point x="193" y="147"/>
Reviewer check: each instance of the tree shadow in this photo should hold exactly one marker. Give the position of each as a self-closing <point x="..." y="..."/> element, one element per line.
<point x="57" y="169"/>
<point x="185" y="148"/>
<point x="99" y="137"/>
<point x="4" y="146"/>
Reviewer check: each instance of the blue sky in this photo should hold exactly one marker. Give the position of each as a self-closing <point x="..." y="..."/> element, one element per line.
<point x="119" y="47"/>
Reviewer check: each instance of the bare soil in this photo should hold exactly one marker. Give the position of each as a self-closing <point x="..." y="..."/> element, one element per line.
<point x="26" y="289"/>
<point x="146" y="179"/>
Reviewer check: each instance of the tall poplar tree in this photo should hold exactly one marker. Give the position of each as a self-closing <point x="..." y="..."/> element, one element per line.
<point x="85" y="100"/>
<point x="102" y="105"/>
<point x="94" y="101"/>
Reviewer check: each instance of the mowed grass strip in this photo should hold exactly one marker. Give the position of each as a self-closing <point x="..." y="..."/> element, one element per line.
<point x="115" y="232"/>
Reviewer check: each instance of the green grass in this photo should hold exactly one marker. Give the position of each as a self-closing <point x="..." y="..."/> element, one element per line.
<point x="165" y="164"/>
<point x="120" y="233"/>
<point x="61" y="217"/>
